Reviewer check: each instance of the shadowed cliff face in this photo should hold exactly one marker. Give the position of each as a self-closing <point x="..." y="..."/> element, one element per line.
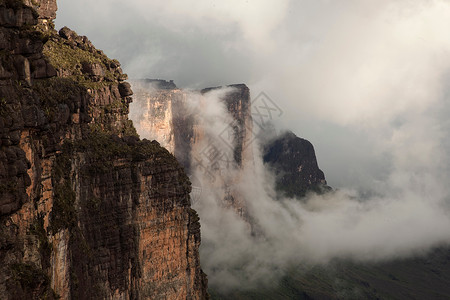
<point x="293" y="161"/>
<point x="88" y="211"/>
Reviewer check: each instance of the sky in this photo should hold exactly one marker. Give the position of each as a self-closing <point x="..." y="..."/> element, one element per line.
<point x="362" y="80"/>
<point x="367" y="82"/>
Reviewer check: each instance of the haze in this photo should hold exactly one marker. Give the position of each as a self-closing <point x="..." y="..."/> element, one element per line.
<point x="367" y="82"/>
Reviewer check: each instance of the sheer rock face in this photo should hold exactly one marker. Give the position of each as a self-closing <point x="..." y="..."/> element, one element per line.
<point x="294" y="162"/>
<point x="45" y="9"/>
<point x="87" y="210"/>
<point x="162" y="112"/>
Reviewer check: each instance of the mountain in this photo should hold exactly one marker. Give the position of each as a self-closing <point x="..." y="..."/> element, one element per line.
<point x="424" y="276"/>
<point x="87" y="209"/>
<point x="177" y="118"/>
<point x="293" y="161"/>
<point x="90" y="211"/>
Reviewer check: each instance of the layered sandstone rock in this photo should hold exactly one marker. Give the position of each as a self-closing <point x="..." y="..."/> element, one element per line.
<point x="167" y="114"/>
<point x="88" y="211"/>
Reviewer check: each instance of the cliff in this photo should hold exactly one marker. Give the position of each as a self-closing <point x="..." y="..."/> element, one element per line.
<point x="293" y="161"/>
<point x="216" y="159"/>
<point x="88" y="211"/>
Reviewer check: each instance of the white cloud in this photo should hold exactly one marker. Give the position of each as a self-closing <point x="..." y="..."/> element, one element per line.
<point x="366" y="81"/>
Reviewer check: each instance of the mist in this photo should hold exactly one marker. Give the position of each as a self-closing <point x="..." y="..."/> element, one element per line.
<point x="348" y="75"/>
<point x="406" y="215"/>
<point x="366" y="82"/>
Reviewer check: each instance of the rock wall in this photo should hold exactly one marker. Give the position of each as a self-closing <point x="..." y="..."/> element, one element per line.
<point x="163" y="112"/>
<point x="87" y="210"/>
<point x="293" y="161"/>
<point x="156" y="106"/>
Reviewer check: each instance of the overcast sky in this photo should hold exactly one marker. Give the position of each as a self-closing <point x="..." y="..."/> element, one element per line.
<point x="365" y="81"/>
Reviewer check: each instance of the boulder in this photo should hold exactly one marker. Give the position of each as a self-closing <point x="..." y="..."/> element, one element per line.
<point x="92" y="69"/>
<point x="125" y="89"/>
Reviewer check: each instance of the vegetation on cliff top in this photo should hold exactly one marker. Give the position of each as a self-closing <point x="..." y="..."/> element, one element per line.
<point x="76" y="58"/>
<point x="63" y="56"/>
<point x="75" y="122"/>
<point x="102" y="151"/>
<point x="56" y="91"/>
<point x="104" y="148"/>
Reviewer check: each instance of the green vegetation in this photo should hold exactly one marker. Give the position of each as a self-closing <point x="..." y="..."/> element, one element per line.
<point x="3" y="104"/>
<point x="28" y="275"/>
<point x="45" y="248"/>
<point x="62" y="56"/>
<point x="103" y="149"/>
<point x="55" y="91"/>
<point x="33" y="281"/>
<point x="89" y="84"/>
<point x="116" y="106"/>
<point x="71" y="59"/>
<point x="63" y="214"/>
<point x="194" y="218"/>
<point x="129" y="129"/>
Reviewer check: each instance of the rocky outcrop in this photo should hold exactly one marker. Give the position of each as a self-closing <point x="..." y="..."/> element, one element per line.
<point x="293" y="161"/>
<point x="238" y="105"/>
<point x="158" y="110"/>
<point x="88" y="211"/>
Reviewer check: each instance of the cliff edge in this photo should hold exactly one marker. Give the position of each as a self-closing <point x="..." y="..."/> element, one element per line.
<point x="293" y="161"/>
<point x="87" y="210"/>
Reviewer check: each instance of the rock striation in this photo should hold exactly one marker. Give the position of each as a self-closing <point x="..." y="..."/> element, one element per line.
<point x="87" y="209"/>
<point x="165" y="113"/>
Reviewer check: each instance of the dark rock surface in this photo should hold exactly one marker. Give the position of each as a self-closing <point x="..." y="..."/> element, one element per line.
<point x="125" y="89"/>
<point x="159" y="83"/>
<point x="294" y="163"/>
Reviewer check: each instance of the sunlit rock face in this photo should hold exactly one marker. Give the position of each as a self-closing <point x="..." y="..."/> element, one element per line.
<point x="211" y="133"/>
<point x="87" y="210"/>
<point x="215" y="153"/>
<point x="160" y="112"/>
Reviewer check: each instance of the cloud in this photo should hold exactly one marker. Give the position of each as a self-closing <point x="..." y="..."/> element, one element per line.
<point x="407" y="214"/>
<point x="367" y="82"/>
<point x="349" y="75"/>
